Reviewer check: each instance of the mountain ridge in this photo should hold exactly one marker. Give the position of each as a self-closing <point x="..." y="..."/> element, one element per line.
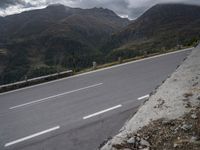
<point x="163" y="26"/>
<point x="58" y="37"/>
<point x="41" y="41"/>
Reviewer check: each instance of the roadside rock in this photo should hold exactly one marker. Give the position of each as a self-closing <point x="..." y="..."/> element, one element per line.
<point x="131" y="140"/>
<point x="144" y="143"/>
<point x="186" y="127"/>
<point x="194" y="139"/>
<point x="194" y="116"/>
<point x="198" y="97"/>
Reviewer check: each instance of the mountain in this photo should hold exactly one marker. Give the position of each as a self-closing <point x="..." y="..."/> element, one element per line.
<point x="160" y="28"/>
<point x="58" y="37"/>
<point x="31" y="23"/>
<point x="41" y="41"/>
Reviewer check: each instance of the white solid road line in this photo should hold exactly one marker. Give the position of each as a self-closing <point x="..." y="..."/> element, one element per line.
<point x="143" y="97"/>
<point x="98" y="70"/>
<point x="31" y="136"/>
<point x="101" y="112"/>
<point x="54" y="96"/>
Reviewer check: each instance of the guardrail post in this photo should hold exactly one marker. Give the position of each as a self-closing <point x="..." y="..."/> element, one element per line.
<point x="94" y="65"/>
<point x="119" y="60"/>
<point x="145" y="53"/>
<point x="25" y="78"/>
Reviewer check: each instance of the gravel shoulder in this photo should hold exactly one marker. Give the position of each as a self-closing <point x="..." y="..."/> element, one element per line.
<point x="170" y="119"/>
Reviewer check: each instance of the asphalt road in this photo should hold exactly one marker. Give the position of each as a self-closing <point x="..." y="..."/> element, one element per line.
<point x="78" y="113"/>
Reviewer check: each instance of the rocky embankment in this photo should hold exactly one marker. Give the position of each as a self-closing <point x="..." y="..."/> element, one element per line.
<point x="170" y="119"/>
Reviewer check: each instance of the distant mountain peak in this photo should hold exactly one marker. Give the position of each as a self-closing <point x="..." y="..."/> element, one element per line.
<point x="161" y="26"/>
<point x="104" y="11"/>
<point x="170" y="10"/>
<point x="56" y="5"/>
<point x="163" y="6"/>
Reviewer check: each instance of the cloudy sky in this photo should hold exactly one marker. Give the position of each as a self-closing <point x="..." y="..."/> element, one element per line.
<point x="125" y="8"/>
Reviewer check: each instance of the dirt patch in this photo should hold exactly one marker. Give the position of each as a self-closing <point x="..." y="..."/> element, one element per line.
<point x="179" y="134"/>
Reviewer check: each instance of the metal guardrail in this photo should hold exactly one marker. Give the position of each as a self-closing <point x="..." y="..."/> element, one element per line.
<point x="28" y="82"/>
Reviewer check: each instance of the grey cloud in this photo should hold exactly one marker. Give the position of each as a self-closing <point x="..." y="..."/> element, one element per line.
<point x="6" y="3"/>
<point x="130" y="8"/>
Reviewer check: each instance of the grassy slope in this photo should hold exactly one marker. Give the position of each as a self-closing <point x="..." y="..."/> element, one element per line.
<point x="43" y="41"/>
<point x="161" y="28"/>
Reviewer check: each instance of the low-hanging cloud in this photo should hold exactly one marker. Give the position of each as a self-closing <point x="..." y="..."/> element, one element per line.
<point x="126" y="8"/>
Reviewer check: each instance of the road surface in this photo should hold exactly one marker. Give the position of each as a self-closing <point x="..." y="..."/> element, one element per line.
<point x="79" y="112"/>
